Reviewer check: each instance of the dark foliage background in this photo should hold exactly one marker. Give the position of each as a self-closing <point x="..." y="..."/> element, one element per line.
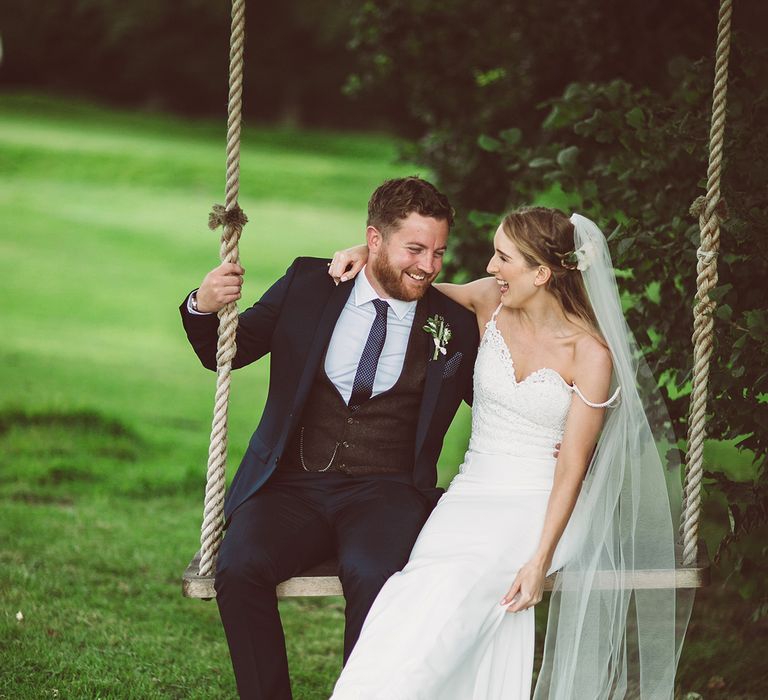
<point x="174" y="55"/>
<point x="605" y="106"/>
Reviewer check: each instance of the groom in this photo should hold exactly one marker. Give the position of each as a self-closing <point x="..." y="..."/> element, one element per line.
<point x="343" y="461"/>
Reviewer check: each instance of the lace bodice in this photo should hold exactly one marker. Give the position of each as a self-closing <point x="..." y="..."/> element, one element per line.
<point x="512" y="417"/>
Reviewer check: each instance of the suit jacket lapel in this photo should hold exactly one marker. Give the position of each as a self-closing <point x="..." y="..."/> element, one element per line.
<point x="434" y="379"/>
<point x="320" y="340"/>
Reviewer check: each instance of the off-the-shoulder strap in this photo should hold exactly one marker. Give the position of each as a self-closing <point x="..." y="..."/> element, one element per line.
<point x="496" y="313"/>
<point x="606" y="404"/>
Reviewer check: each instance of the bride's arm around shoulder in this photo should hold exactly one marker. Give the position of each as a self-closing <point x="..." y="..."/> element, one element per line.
<point x="477" y="296"/>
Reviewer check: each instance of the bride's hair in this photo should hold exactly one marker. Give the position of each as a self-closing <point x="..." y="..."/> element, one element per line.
<point x="545" y="237"/>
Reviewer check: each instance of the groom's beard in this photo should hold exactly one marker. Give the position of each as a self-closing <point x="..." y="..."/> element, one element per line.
<point x="396" y="282"/>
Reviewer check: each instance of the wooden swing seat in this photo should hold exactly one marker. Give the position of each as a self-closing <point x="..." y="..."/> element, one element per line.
<point x="322" y="580"/>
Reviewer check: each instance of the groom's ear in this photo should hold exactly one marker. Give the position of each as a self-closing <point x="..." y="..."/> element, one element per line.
<point x="373" y="238"/>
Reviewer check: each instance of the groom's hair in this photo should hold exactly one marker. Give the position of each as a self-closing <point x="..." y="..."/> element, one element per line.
<point x="396" y="199"/>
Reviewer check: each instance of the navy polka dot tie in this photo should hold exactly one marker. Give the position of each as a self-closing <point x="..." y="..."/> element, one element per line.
<point x="362" y="387"/>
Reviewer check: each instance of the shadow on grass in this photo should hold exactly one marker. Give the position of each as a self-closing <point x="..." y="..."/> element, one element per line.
<point x="90" y="421"/>
<point x="45" y="458"/>
<point x="191" y="482"/>
<point x="48" y="457"/>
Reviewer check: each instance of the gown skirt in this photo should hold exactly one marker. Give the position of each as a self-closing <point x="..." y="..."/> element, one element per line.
<point x="437" y="630"/>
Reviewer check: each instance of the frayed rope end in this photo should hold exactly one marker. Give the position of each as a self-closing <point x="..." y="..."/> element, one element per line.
<point x="219" y="216"/>
<point x="700" y="203"/>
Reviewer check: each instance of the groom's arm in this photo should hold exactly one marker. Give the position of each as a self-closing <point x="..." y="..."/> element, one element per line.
<point x="467" y="335"/>
<point x="470" y="335"/>
<point x="254" y="331"/>
<point x="469" y="358"/>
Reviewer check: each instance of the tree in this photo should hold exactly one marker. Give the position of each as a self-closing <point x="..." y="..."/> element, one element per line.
<point x="605" y="108"/>
<point x="174" y="56"/>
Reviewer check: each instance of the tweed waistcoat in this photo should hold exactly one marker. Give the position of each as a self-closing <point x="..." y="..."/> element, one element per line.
<point x="377" y="438"/>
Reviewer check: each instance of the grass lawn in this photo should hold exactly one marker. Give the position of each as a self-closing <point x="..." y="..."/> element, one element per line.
<point x="105" y="410"/>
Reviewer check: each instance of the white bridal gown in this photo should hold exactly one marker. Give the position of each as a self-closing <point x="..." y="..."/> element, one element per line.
<point x="437" y="630"/>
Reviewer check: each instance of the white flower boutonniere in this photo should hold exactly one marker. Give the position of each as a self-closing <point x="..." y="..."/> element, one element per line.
<point x="440" y="332"/>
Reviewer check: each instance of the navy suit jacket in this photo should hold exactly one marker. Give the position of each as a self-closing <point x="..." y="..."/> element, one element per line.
<point x="293" y="322"/>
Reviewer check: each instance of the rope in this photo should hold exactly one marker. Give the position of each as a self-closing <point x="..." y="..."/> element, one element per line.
<point x="710" y="210"/>
<point x="232" y="218"/>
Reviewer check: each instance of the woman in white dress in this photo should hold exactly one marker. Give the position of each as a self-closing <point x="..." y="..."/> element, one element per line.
<point x="457" y="623"/>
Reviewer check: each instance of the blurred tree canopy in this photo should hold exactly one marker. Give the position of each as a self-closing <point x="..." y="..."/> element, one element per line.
<point x="174" y="56"/>
<point x="605" y="107"/>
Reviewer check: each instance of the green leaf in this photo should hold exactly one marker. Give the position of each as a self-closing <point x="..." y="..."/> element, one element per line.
<point x="483" y="219"/>
<point x="635" y="118"/>
<point x="724" y="312"/>
<point x="567" y="157"/>
<point x="540" y="163"/>
<point x="488" y="143"/>
<point x="624" y="245"/>
<point x="485" y="78"/>
<point x="573" y="91"/>
<point x="757" y="323"/>
<point x="511" y="136"/>
<point x="719" y="292"/>
<point x="615" y="89"/>
<point x="733" y="517"/>
<point x="760" y="612"/>
<point x="747" y="587"/>
<point x="561" y="115"/>
<point x="589" y="189"/>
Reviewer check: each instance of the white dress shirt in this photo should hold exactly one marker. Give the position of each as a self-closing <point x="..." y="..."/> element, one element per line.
<point x="351" y="333"/>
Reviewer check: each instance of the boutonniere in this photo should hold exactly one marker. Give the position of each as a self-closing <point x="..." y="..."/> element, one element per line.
<point x="440" y="332"/>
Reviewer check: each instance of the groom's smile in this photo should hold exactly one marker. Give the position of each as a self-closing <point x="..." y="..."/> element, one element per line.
<point x="405" y="260"/>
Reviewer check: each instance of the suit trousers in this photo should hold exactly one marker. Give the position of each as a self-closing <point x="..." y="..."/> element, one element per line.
<point x="297" y="520"/>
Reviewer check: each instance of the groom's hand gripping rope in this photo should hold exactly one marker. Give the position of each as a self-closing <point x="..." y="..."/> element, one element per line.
<point x="220" y="286"/>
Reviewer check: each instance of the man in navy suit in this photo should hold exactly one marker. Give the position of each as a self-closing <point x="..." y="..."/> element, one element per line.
<point x="343" y="461"/>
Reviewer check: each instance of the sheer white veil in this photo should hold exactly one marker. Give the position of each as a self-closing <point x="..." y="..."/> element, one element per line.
<point x="609" y="636"/>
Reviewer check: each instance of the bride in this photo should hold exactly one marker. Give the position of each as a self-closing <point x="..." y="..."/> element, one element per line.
<point x="556" y="363"/>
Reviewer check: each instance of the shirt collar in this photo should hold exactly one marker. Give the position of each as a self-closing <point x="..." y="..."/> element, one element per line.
<point x="364" y="293"/>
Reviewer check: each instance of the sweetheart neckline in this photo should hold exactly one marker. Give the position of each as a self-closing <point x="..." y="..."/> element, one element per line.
<point x="541" y="370"/>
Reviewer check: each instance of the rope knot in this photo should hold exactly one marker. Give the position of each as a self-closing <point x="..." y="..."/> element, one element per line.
<point x="219" y="216"/>
<point x="706" y="257"/>
<point x="699" y="206"/>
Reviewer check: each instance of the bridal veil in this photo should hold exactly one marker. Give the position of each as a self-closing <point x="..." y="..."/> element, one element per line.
<point x="608" y="637"/>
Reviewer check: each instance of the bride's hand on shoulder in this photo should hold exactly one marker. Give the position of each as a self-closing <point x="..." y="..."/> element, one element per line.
<point x="527" y="589"/>
<point x="347" y="263"/>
